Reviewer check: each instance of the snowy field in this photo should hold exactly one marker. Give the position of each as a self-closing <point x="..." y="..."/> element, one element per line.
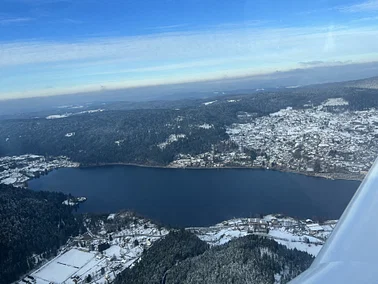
<point x="292" y="241"/>
<point x="65" y="266"/>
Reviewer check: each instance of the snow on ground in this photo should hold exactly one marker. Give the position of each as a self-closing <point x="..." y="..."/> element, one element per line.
<point x="68" y="202"/>
<point x="55" y="273"/>
<point x="127" y="245"/>
<point x="232" y="101"/>
<point x="118" y="142"/>
<point x="277" y="278"/>
<point x="209" y="103"/>
<point x="76" y="258"/>
<point x="309" y="248"/>
<point x="92" y="267"/>
<point x="292" y="241"/>
<point x="18" y="169"/>
<point x="172" y="138"/>
<point x="63" y="266"/>
<point x="335" y="102"/>
<point x="134" y="252"/>
<point x="205" y="126"/>
<point x="281" y="233"/>
<point x="287" y="231"/>
<point x="55" y="116"/>
<point x="111" y="216"/>
<point x="91" y="111"/>
<point x="315" y="227"/>
<point x="114" y="251"/>
<point x="269" y="217"/>
<point x="9" y="180"/>
<point x="81" y="256"/>
<point x="222" y="236"/>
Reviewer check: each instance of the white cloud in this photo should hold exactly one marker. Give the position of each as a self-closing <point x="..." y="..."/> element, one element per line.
<point x="252" y="43"/>
<point x="366" y="6"/>
<point x="9" y="21"/>
<point x="177" y="57"/>
<point x="167" y="27"/>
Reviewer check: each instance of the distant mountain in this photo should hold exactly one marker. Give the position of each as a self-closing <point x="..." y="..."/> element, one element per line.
<point x="16" y="108"/>
<point x="182" y="258"/>
<point x="369" y="83"/>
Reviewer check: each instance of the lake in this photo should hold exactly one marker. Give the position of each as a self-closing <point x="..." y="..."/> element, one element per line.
<point x="200" y="197"/>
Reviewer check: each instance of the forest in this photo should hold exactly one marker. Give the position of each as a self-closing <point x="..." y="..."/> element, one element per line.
<point x="123" y="135"/>
<point x="181" y="257"/>
<point x="33" y="227"/>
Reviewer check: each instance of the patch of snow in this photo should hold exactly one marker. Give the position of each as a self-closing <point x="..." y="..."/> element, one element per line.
<point x="10" y="180"/>
<point x="292" y="241"/>
<point x="91" y="111"/>
<point x="114" y="250"/>
<point x="312" y="249"/>
<point x="56" y="116"/>
<point x="111" y="217"/>
<point x="209" y="103"/>
<point x="335" y="102"/>
<point x="118" y="142"/>
<point x="172" y="138"/>
<point x="205" y="126"/>
<point x="68" y="202"/>
<point x="277" y="278"/>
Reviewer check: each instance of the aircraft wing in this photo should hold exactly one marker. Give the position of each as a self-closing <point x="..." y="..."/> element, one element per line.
<point x="350" y="255"/>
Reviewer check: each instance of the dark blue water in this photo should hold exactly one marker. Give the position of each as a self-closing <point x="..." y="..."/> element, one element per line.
<point x="200" y="197"/>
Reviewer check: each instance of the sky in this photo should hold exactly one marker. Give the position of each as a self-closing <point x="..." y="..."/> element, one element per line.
<point x="51" y="47"/>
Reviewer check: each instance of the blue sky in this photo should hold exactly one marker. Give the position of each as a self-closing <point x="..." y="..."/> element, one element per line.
<point x="50" y="47"/>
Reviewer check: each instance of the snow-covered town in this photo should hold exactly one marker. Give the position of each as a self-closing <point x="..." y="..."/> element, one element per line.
<point x="105" y="250"/>
<point x="325" y="140"/>
<point x="17" y="170"/>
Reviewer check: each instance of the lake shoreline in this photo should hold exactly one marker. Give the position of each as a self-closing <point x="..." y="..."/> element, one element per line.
<point x="331" y="176"/>
<point x="198" y="197"/>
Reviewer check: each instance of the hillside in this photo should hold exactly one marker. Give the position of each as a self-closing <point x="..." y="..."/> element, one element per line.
<point x="163" y="255"/>
<point x="333" y="131"/>
<point x="33" y="227"/>
<point x="183" y="258"/>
